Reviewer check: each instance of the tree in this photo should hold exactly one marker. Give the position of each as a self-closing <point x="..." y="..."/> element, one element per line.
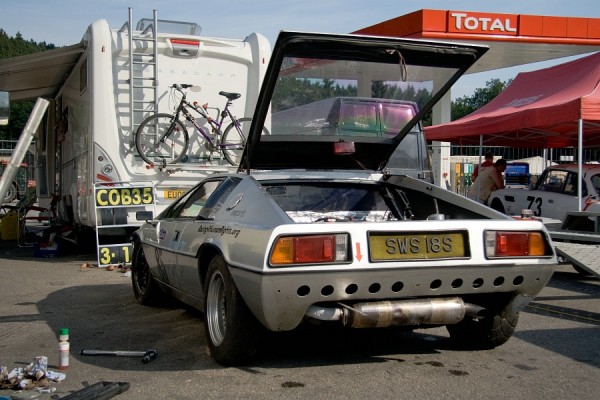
<point x="19" y="111"/>
<point x="17" y="46"/>
<point x="467" y="104"/>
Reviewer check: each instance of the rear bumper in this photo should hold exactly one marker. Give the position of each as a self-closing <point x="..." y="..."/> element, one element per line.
<point x="280" y="301"/>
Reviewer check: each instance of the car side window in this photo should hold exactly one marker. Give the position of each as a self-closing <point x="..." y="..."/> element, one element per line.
<point x="175" y="209"/>
<point x="197" y="199"/>
<point x="571" y="186"/>
<point x="217" y="198"/>
<point x="596" y="183"/>
<point x="554" y="181"/>
<point x="405" y="156"/>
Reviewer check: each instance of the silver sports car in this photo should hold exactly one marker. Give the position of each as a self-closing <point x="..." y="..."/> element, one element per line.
<point x="316" y="225"/>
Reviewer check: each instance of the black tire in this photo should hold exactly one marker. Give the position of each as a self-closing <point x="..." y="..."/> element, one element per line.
<point x="497" y="205"/>
<point x="171" y="150"/>
<point x="232" y="332"/>
<point x="145" y="289"/>
<point x="485" y="333"/>
<point x="11" y="194"/>
<point x="234" y="141"/>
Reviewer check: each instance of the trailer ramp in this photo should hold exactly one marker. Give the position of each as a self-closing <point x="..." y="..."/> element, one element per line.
<point x="582" y="255"/>
<point x="578" y="241"/>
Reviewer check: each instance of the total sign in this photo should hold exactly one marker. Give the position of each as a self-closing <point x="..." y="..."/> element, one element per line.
<point x="480" y="23"/>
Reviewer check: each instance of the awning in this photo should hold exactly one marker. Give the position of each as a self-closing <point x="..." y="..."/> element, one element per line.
<point x="540" y="109"/>
<point x="40" y="74"/>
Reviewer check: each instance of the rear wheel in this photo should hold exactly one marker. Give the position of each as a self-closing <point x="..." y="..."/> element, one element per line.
<point x="156" y="149"/>
<point x="145" y="290"/>
<point x="234" y="140"/>
<point x="485" y="333"/>
<point x="232" y="332"/>
<point x="11" y="193"/>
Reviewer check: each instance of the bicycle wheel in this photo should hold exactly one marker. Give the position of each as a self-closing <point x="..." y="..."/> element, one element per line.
<point x="234" y="140"/>
<point x="161" y="139"/>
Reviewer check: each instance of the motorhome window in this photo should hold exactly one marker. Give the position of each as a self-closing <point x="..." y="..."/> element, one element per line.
<point x="166" y="26"/>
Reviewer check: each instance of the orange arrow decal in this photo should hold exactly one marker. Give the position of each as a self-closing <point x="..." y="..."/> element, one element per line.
<point x="358" y="253"/>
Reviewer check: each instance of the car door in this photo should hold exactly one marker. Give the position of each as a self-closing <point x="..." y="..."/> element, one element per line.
<point x="185" y="274"/>
<point x="157" y="246"/>
<point x="166" y="239"/>
<point x="554" y="195"/>
<point x="567" y="200"/>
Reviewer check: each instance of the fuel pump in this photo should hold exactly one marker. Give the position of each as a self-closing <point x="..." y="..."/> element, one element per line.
<point x="462" y="177"/>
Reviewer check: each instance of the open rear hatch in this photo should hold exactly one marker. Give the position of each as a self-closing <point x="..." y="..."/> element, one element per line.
<point x="345" y="102"/>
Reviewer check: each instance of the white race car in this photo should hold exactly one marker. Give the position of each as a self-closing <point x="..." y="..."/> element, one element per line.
<point x="317" y="225"/>
<point x="554" y="194"/>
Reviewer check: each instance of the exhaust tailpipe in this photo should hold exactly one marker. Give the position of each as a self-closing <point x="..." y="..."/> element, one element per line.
<point x="442" y="311"/>
<point x="475" y="311"/>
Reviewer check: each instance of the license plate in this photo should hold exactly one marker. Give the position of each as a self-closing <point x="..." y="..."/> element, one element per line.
<point x="114" y="196"/>
<point x="399" y="246"/>
<point x="173" y="193"/>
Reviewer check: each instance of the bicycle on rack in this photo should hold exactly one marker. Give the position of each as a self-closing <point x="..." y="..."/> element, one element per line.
<point x="163" y="139"/>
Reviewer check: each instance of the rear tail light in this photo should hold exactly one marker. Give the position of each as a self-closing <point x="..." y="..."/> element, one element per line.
<point x="343" y="148"/>
<point x="310" y="249"/>
<point x="591" y="199"/>
<point x="516" y="244"/>
<point x="185" y="47"/>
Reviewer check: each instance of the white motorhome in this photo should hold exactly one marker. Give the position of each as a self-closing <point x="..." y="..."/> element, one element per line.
<point x="120" y="76"/>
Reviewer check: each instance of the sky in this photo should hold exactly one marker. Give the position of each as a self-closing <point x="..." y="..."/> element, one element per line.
<point x="63" y="22"/>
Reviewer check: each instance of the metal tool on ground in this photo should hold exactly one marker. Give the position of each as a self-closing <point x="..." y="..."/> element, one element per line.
<point x="147" y="355"/>
<point x="98" y="391"/>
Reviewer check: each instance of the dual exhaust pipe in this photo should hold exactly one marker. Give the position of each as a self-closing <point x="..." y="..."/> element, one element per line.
<point x="436" y="311"/>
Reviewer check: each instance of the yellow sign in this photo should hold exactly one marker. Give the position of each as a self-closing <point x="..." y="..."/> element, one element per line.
<point x="173" y="194"/>
<point x="392" y="246"/>
<point x="124" y="196"/>
<point x="114" y="254"/>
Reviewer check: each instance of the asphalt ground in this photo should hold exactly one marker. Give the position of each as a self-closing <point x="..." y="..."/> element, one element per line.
<point x="554" y="354"/>
<point x="39" y="296"/>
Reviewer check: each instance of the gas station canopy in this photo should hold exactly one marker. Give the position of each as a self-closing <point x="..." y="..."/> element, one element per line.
<point x="514" y="39"/>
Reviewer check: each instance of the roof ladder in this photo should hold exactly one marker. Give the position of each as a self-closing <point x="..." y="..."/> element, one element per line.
<point x="143" y="72"/>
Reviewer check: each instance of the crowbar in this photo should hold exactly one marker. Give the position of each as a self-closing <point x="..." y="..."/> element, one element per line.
<point x="147" y="355"/>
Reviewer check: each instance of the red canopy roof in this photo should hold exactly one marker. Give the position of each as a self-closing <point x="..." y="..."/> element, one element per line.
<point x="539" y="109"/>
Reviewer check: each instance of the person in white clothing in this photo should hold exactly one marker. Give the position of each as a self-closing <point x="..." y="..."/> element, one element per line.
<point x="488" y="180"/>
<point x="488" y="162"/>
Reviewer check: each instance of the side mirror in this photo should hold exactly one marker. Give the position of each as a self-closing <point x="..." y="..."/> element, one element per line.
<point x="4" y="108"/>
<point x="143" y="215"/>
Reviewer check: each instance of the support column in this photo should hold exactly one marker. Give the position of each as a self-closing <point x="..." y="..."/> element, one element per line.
<point x="440" y="159"/>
